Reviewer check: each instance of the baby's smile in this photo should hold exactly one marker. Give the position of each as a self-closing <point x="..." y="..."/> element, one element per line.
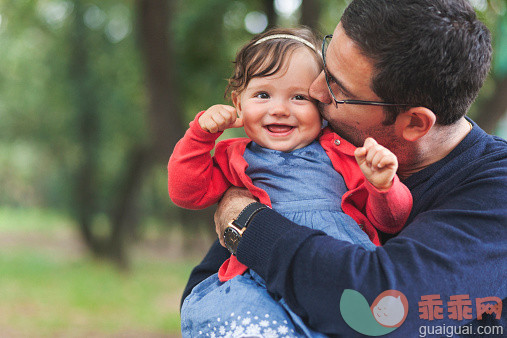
<point x="279" y="129"/>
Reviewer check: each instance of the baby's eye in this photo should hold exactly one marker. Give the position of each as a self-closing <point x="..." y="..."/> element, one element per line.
<point x="300" y="97"/>
<point x="262" y="95"/>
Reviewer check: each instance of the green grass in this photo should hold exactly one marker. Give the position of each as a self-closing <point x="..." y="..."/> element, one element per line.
<point x="46" y="293"/>
<point x="23" y="220"/>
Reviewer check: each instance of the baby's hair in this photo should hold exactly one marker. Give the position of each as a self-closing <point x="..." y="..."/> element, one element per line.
<point x="268" y="52"/>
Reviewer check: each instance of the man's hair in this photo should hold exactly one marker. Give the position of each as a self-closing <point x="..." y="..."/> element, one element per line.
<point x="430" y="53"/>
<point x="269" y="56"/>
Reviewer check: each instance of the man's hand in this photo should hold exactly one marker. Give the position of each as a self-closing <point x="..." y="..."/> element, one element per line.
<point x="220" y="117"/>
<point x="377" y="163"/>
<point x="234" y="200"/>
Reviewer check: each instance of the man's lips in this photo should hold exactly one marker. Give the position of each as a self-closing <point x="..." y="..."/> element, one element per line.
<point x="279" y="129"/>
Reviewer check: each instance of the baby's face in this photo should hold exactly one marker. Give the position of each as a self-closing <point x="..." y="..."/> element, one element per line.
<point x="277" y="110"/>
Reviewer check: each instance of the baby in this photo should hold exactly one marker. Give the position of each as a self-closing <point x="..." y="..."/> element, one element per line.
<point x="308" y="174"/>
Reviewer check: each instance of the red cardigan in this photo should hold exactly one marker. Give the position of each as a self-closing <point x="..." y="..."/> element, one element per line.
<point x="197" y="180"/>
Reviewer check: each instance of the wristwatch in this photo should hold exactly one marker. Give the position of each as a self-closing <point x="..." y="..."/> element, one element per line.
<point x="236" y="227"/>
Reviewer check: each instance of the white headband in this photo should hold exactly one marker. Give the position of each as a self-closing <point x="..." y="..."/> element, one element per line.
<point x="286" y="36"/>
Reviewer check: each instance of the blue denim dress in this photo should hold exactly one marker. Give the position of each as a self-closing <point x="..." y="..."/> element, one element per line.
<point x="304" y="187"/>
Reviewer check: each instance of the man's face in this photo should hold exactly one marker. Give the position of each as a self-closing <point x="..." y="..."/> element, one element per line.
<point x="350" y="75"/>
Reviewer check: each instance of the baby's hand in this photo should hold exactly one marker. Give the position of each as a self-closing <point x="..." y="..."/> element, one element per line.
<point x="377" y="163"/>
<point x="220" y="117"/>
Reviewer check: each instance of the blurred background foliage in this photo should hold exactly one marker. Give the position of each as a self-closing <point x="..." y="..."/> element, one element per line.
<point x="94" y="95"/>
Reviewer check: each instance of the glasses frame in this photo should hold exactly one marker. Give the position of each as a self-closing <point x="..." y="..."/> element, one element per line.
<point x="356" y="102"/>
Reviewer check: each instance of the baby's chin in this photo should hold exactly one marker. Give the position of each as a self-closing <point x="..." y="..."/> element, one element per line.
<point x="285" y="144"/>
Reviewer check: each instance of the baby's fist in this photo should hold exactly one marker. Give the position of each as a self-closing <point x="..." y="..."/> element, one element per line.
<point x="377" y="163"/>
<point x="220" y="117"/>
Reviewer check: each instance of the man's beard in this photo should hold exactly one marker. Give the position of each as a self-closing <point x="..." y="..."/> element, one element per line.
<point x="349" y="133"/>
<point x="383" y="134"/>
<point x="345" y="131"/>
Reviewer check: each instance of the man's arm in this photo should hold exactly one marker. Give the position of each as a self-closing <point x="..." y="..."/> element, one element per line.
<point x="454" y="247"/>
<point x="234" y="200"/>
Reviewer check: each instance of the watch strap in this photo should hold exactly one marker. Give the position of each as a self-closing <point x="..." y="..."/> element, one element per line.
<point x="245" y="216"/>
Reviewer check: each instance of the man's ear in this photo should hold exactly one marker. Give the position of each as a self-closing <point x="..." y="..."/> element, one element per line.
<point x="236" y="101"/>
<point x="415" y="123"/>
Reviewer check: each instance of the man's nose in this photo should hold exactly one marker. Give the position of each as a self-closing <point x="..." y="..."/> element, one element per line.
<point x="319" y="89"/>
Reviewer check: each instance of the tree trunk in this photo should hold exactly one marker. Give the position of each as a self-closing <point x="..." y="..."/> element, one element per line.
<point x="269" y="8"/>
<point x="164" y="111"/>
<point x="163" y="119"/>
<point x="124" y="216"/>
<point x="87" y="130"/>
<point x="310" y="10"/>
<point x="124" y="213"/>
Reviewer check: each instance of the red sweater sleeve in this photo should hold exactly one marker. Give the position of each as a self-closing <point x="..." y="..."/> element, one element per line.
<point x="195" y="180"/>
<point x="388" y="210"/>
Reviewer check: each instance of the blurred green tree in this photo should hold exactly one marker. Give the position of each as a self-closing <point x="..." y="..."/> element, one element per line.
<point x="94" y="95"/>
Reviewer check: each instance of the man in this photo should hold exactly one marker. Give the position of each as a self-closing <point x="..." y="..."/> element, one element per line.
<point x="404" y="72"/>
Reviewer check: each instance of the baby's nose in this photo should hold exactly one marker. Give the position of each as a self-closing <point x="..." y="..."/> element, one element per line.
<point x="279" y="109"/>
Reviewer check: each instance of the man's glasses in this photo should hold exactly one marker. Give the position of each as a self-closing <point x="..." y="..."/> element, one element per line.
<point x="325" y="44"/>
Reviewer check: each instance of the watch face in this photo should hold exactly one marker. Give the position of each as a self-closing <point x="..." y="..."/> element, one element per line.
<point x="231" y="238"/>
